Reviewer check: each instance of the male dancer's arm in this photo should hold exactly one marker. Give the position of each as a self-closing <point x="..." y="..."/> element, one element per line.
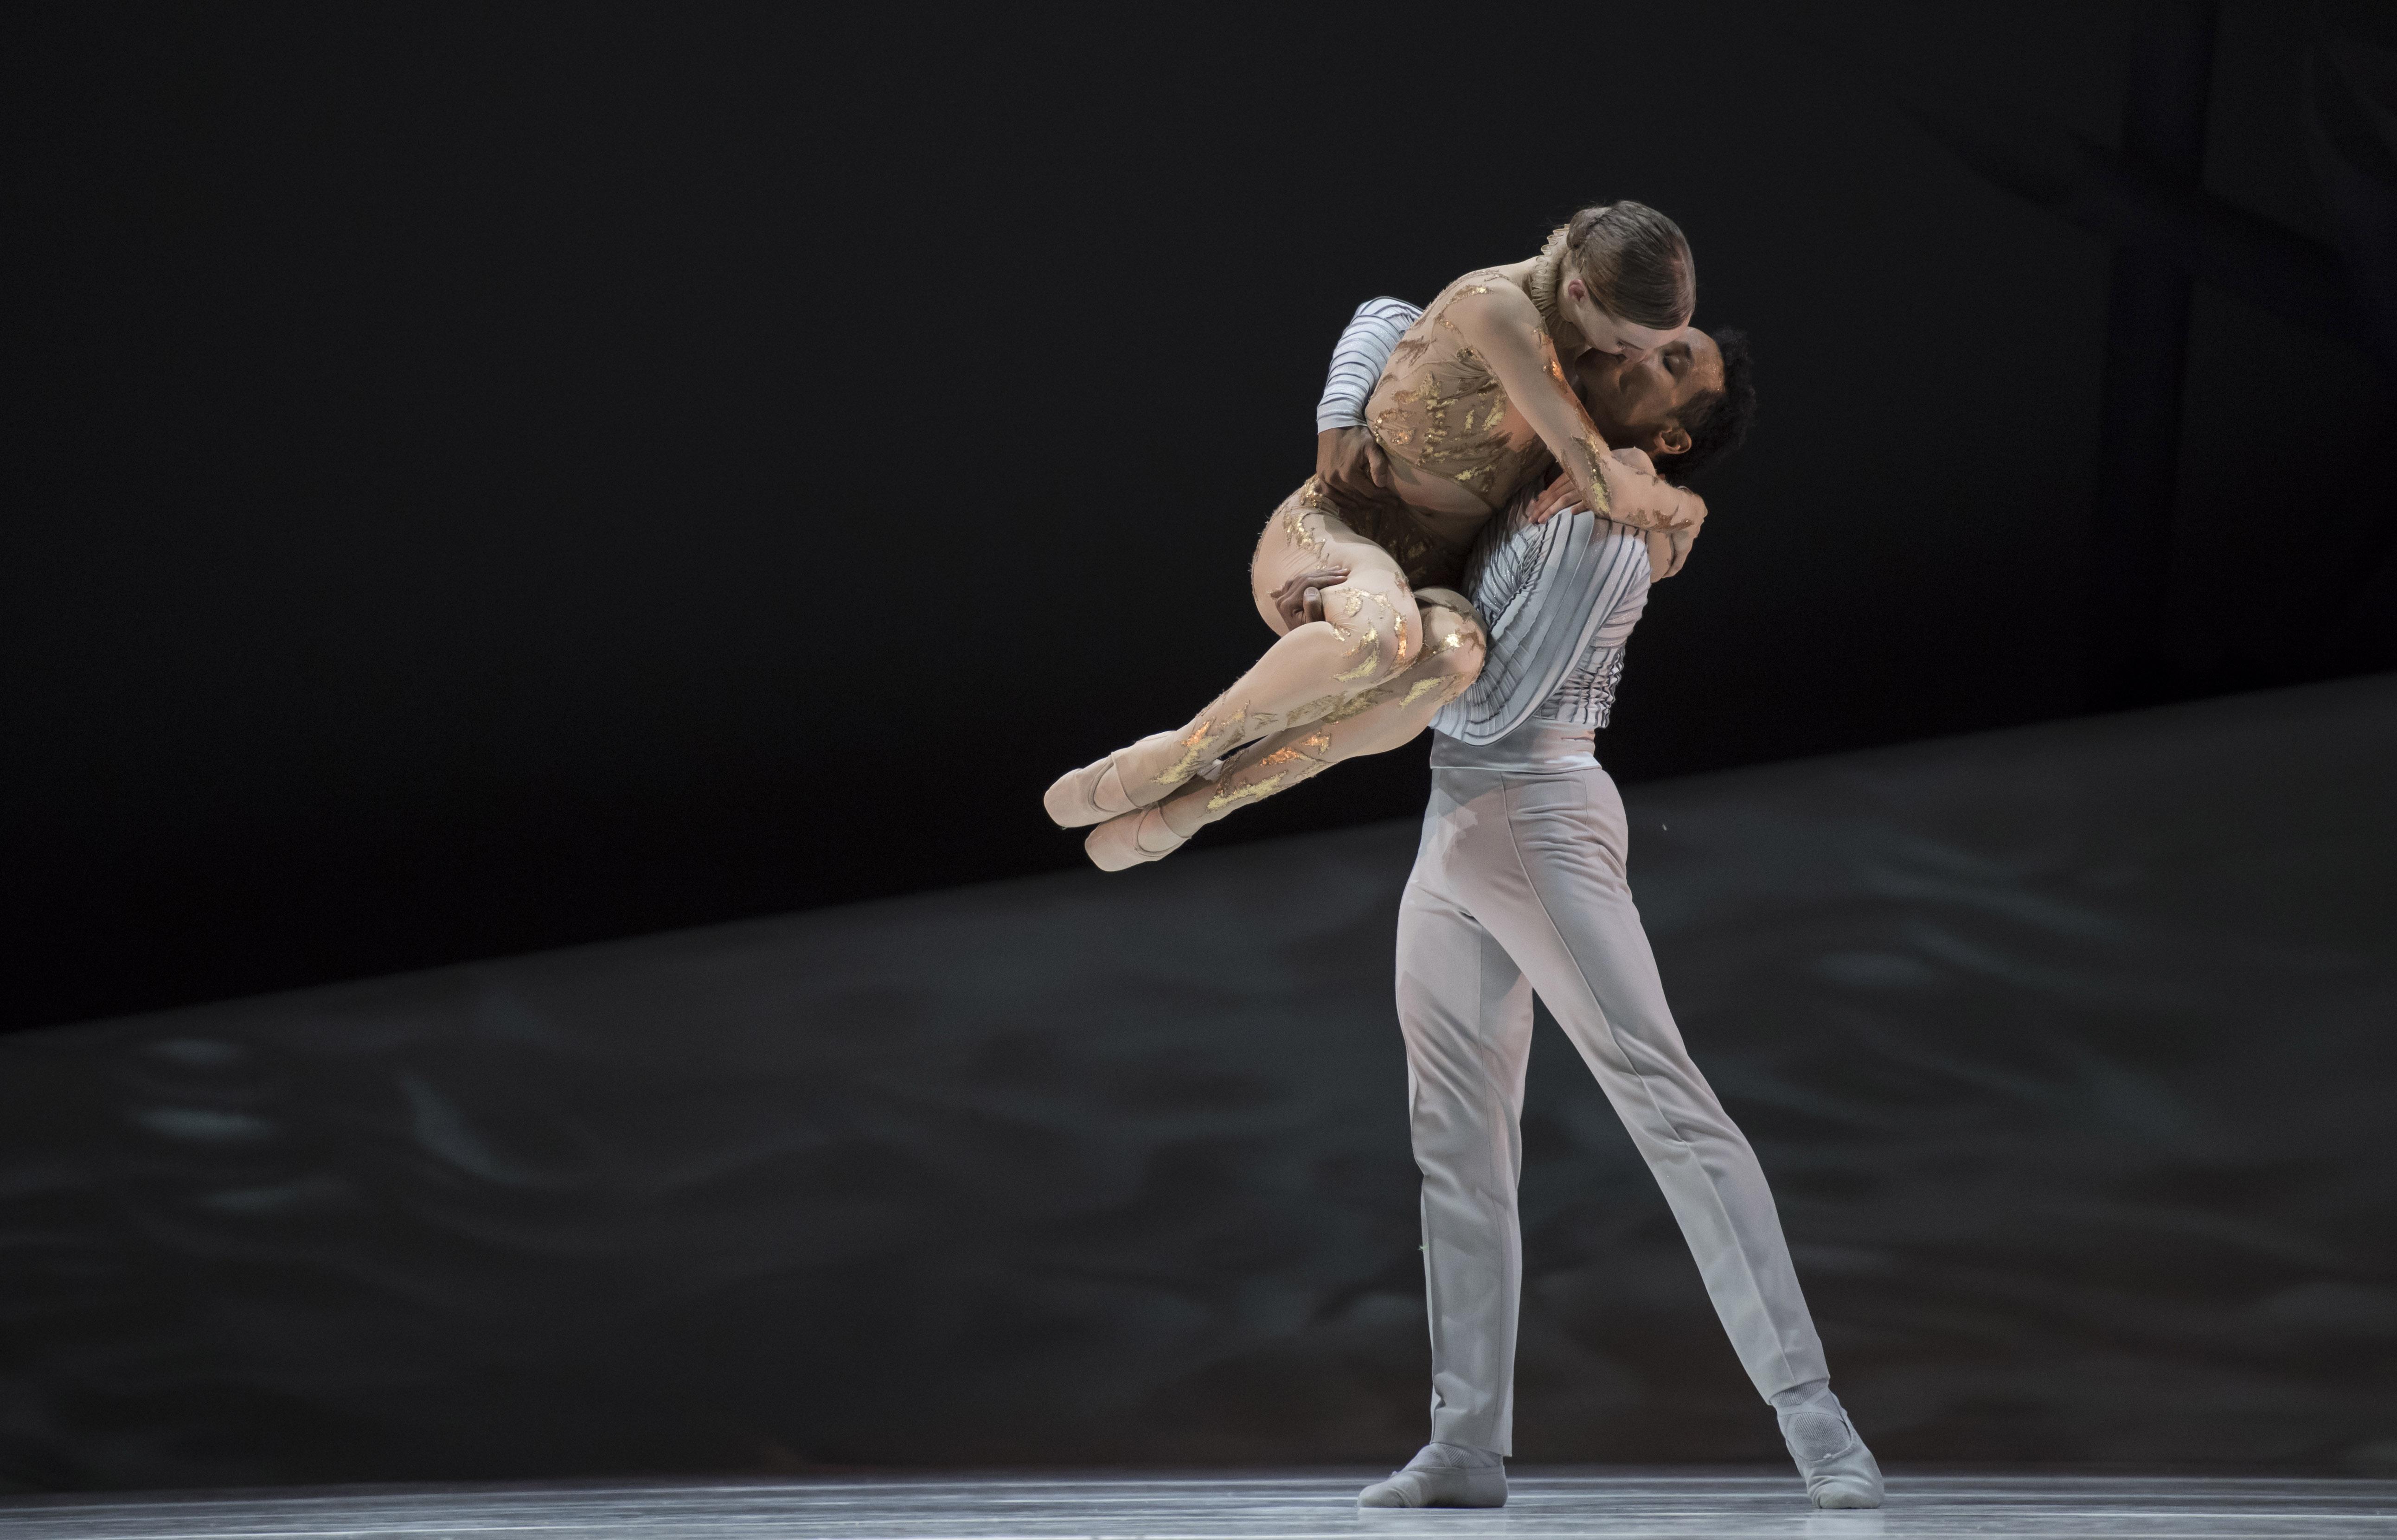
<point x="1346" y="458"/>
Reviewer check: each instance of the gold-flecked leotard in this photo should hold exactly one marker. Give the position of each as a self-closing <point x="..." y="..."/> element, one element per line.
<point x="1439" y="408"/>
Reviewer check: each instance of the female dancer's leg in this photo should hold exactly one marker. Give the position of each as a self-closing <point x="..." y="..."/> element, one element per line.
<point x="1370" y="722"/>
<point x="1371" y="632"/>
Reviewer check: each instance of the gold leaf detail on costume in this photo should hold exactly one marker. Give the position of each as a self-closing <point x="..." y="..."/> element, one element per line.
<point x="1195" y="753"/>
<point x="1371" y="647"/>
<point x="1439" y="410"/>
<point x="1237" y="795"/>
<point x="1601" y="500"/>
<point x="1327" y="707"/>
<point x="1291" y="754"/>
<point x="1355" y="705"/>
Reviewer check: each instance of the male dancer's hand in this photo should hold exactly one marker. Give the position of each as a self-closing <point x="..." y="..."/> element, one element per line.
<point x="1301" y="599"/>
<point x="1349" y="460"/>
<point x="1561" y="494"/>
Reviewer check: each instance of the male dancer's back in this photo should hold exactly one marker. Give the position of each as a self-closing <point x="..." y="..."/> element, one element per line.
<point x="1519" y="886"/>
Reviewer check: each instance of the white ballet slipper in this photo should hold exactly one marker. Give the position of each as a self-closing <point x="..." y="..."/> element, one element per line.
<point x="1840" y="1471"/>
<point x="1437" y="1478"/>
<point x="1131" y="838"/>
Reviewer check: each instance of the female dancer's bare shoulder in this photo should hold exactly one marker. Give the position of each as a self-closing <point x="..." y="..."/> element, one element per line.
<point x="1484" y="295"/>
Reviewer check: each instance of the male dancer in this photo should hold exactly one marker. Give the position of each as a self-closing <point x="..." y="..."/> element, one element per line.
<point x="1519" y="885"/>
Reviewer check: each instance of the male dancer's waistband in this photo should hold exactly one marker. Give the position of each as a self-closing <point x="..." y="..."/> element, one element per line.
<point x="1533" y="748"/>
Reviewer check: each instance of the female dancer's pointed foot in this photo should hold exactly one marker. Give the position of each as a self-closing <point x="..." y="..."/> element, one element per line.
<point x="1840" y="1471"/>
<point x="1131" y="838"/>
<point x="1105" y="789"/>
<point x="1091" y="795"/>
<point x="1441" y="1476"/>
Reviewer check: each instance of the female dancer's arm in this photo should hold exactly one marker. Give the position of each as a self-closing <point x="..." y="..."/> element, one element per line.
<point x="1500" y="323"/>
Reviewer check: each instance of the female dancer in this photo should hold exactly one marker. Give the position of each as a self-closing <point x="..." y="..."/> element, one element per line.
<point x="1474" y="407"/>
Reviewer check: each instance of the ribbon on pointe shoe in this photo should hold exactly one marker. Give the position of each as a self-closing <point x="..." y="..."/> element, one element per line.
<point x="1091" y="795"/>
<point x="1129" y="839"/>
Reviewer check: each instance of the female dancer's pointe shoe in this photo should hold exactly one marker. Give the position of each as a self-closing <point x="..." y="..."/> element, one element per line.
<point x="1098" y="791"/>
<point x="1436" y="1478"/>
<point x="1840" y="1471"/>
<point x="1130" y="838"/>
<point x="1091" y="795"/>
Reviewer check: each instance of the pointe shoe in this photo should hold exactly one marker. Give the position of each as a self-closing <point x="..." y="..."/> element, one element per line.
<point x="1840" y="1471"/>
<point x="1104" y="789"/>
<point x="1430" y="1480"/>
<point x="1131" y="838"/>
<point x="1091" y="795"/>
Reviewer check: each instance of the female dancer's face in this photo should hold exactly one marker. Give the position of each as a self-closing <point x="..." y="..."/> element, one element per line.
<point x="1610" y="334"/>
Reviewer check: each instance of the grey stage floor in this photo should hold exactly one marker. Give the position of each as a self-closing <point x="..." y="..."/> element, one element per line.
<point x="2069" y="1050"/>
<point x="1622" y="1504"/>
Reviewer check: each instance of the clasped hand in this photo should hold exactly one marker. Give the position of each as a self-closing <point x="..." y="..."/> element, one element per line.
<point x="1561" y="492"/>
<point x="1349" y="459"/>
<point x="1301" y="599"/>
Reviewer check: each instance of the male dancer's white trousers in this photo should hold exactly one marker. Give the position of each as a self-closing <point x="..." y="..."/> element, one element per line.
<point x="1519" y="885"/>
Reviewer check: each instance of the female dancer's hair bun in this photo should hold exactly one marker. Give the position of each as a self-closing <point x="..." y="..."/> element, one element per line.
<point x="1636" y="261"/>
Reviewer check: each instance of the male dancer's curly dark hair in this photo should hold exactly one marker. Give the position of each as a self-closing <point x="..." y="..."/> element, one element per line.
<point x="1719" y="422"/>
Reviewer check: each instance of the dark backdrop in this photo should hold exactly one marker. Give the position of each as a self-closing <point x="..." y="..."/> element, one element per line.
<point x="490" y="478"/>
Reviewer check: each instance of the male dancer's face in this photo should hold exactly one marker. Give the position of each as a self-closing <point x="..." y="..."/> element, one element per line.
<point x="1637" y="404"/>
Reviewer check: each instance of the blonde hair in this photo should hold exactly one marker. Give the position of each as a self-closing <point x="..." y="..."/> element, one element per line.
<point x="1636" y="261"/>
